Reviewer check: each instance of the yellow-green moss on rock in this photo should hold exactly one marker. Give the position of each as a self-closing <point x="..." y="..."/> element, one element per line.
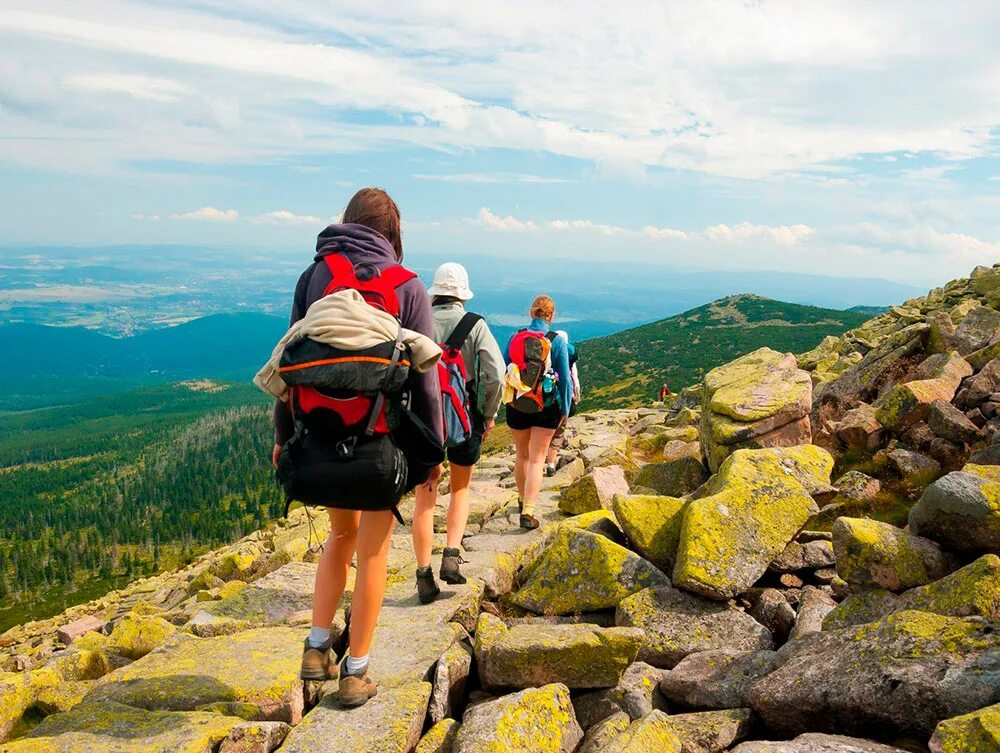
<point x="652" y="524"/>
<point x="63" y="697"/>
<point x="755" y="505"/>
<point x="651" y="734"/>
<point x="907" y="403"/>
<point x="978" y="732"/>
<point x="440" y="738"/>
<point x="135" y="635"/>
<point x="537" y="720"/>
<point x="580" y="571"/>
<point x="710" y="730"/>
<point x="18" y="691"/>
<point x="961" y="510"/>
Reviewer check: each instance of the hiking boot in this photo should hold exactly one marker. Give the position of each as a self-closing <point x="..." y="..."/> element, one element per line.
<point x="550" y="470"/>
<point x="318" y="661"/>
<point x="529" y="522"/>
<point x="356" y="689"/>
<point x="427" y="587"/>
<point x="450" y="563"/>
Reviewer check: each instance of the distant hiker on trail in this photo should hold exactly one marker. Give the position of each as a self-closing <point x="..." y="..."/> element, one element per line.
<point x="538" y="392"/>
<point x="471" y="368"/>
<point x="559" y="438"/>
<point x="360" y="343"/>
<point x="664" y="393"/>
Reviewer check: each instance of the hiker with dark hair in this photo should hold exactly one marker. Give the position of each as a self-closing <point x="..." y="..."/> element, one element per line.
<point x="335" y="448"/>
<point x="538" y="392"/>
<point x="471" y="370"/>
<point x="559" y="438"/>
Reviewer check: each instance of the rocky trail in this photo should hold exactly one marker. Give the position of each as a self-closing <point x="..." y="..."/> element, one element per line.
<point x="797" y="556"/>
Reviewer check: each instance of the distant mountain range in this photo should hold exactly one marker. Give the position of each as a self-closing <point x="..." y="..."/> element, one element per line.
<point x="627" y="368"/>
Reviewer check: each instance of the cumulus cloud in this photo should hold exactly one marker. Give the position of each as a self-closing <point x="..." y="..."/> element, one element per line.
<point x="498" y="177"/>
<point x="284" y="217"/>
<point x="149" y="217"/>
<point x="208" y="214"/>
<point x="781" y="235"/>
<point x="497" y="222"/>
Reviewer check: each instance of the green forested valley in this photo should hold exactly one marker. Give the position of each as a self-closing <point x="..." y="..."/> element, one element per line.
<point x="103" y="491"/>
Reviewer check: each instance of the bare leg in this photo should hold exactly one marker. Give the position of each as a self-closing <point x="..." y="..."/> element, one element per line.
<point x="423" y="522"/>
<point x="522" y="439"/>
<point x="458" y="509"/>
<point x="374" y="535"/>
<point x="334" y="566"/>
<point x="538" y="445"/>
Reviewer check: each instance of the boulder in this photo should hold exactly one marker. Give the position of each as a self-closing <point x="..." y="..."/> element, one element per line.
<point x="651" y="734"/>
<point x="110" y="727"/>
<point x="675" y="450"/>
<point x="817" y="743"/>
<point x="909" y="402"/>
<point x="577" y="656"/>
<point x="391" y="721"/>
<point x="536" y="720"/>
<point x="978" y="328"/>
<point x="254" y="737"/>
<point x="73" y="630"/>
<point x="772" y="610"/>
<point x="440" y="738"/>
<point x="858" y="486"/>
<point x="18" y="692"/>
<point x="948" y="422"/>
<point x="979" y="388"/>
<point x="451" y="675"/>
<point x="902" y="674"/>
<point x="564" y="476"/>
<point x="636" y="694"/>
<point x="978" y="732"/>
<point x="271" y="600"/>
<point x="871" y="554"/>
<point x="961" y="511"/>
<point x="859" y="429"/>
<point x="594" y="491"/>
<point x="673" y="479"/>
<point x="753" y="508"/>
<point x="602" y="522"/>
<point x="601" y="734"/>
<point x="710" y="731"/>
<point x="653" y="525"/>
<point x="136" y="634"/>
<point x="810" y="555"/>
<point x="677" y="624"/>
<point x="915" y="468"/>
<point x="717" y="679"/>
<point x="580" y="571"/>
<point x="63" y="697"/>
<point x="814" y="605"/>
<point x="259" y="667"/>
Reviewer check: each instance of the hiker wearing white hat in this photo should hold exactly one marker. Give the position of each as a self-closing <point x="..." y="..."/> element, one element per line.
<point x="471" y="355"/>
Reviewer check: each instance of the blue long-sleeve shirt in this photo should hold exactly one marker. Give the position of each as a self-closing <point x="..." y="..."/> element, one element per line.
<point x="560" y="364"/>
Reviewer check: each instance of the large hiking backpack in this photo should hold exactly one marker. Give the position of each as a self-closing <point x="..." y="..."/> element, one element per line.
<point x="456" y="399"/>
<point x="342" y="454"/>
<point x="531" y="352"/>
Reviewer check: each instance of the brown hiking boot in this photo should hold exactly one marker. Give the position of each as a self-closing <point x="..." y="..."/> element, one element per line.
<point x="451" y="563"/>
<point x="317" y="662"/>
<point x="356" y="689"/>
<point x="427" y="587"/>
<point x="529" y="522"/>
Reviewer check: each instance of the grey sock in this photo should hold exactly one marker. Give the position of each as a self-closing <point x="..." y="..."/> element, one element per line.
<point x="318" y="637"/>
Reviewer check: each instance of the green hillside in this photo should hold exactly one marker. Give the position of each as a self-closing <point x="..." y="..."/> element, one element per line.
<point x="98" y="493"/>
<point x="627" y="369"/>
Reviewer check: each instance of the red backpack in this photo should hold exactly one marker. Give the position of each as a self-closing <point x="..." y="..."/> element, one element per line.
<point x="455" y="393"/>
<point x="531" y="352"/>
<point x="342" y="393"/>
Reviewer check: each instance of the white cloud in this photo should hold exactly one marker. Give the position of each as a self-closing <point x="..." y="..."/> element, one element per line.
<point x="284" y="217"/>
<point x="664" y="232"/>
<point x="486" y="217"/>
<point x="208" y="214"/>
<point x="781" y="235"/>
<point x="149" y="217"/>
<point x="488" y="178"/>
<point x="140" y="87"/>
<point x="585" y="225"/>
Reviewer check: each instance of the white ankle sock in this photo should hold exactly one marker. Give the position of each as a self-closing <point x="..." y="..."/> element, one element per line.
<point x="318" y="636"/>
<point x="354" y="666"/>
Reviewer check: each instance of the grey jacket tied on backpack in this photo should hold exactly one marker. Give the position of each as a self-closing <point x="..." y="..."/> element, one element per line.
<point x="484" y="362"/>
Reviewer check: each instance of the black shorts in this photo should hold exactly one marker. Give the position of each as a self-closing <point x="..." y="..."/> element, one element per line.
<point x="468" y="452"/>
<point x="548" y="418"/>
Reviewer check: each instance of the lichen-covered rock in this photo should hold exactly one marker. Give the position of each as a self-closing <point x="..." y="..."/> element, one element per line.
<point x="580" y="571"/>
<point x="451" y="674"/>
<point x="677" y="624"/>
<point x="270" y="600"/>
<point x="78" y="628"/>
<point x="594" y="491"/>
<point x="710" y="731"/>
<point x="874" y="554"/>
<point x="754" y="507"/>
<point x="948" y="422"/>
<point x="676" y="449"/>
<point x="902" y="674"/>
<point x="254" y="737"/>
<point x="440" y="738"/>
<point x="602" y="522"/>
<point x="860" y="429"/>
<point x="602" y="733"/>
<point x="259" y="667"/>
<point x="907" y="403"/>
<point x="18" y="692"/>
<point x="978" y="732"/>
<point x="673" y="479"/>
<point x="977" y="329"/>
<point x="808" y="555"/>
<point x="814" y="605"/>
<point x="63" y="697"/>
<point x="135" y="635"/>
<point x="636" y="694"/>
<point x="653" y="525"/>
<point x="391" y="722"/>
<point x="578" y="656"/>
<point x="971" y="591"/>
<point x="536" y="720"/>
<point x="918" y="470"/>
<point x="651" y="734"/>
<point x="961" y="511"/>
<point x="717" y="679"/>
<point x="110" y="727"/>
<point x="817" y="743"/>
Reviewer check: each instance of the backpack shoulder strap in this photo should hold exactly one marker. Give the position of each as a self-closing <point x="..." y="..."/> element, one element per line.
<point x="396" y="275"/>
<point x="551" y="335"/>
<point x="341" y="272"/>
<point x="462" y="331"/>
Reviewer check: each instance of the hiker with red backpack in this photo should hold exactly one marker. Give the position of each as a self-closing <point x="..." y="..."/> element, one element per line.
<point x="538" y="392"/>
<point x="361" y="423"/>
<point x="471" y="369"/>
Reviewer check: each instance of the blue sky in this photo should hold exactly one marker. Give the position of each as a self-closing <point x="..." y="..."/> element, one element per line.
<point x="850" y="139"/>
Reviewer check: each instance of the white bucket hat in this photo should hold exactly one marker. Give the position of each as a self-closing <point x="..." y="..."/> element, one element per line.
<point x="451" y="280"/>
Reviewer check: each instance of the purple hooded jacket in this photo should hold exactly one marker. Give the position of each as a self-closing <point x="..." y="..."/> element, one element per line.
<point x="364" y="246"/>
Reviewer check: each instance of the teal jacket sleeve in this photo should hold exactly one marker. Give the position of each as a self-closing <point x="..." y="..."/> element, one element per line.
<point x="560" y="362"/>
